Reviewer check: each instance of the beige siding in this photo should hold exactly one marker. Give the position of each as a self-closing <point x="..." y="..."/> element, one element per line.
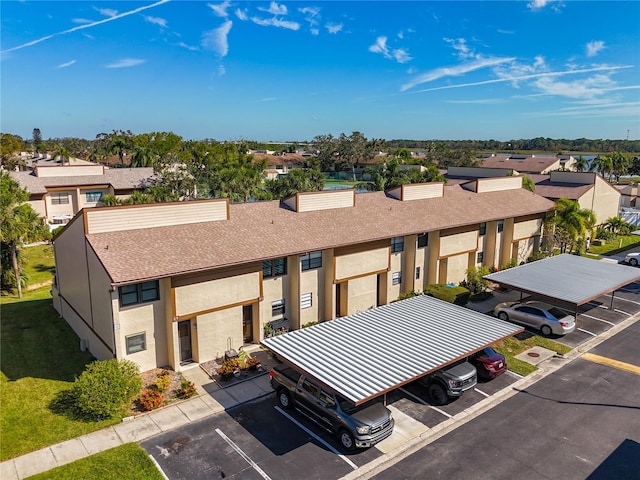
<point x="527" y="229"/>
<point x="310" y="282"/>
<point x="82" y="200"/>
<point x="418" y="191"/>
<point x="397" y="262"/>
<point x="362" y="294"/>
<point x="123" y="218"/>
<point x="274" y="288"/>
<point x="63" y="209"/>
<point x="203" y="296"/>
<point x="145" y="318"/>
<point x="497" y="184"/>
<point x="421" y="261"/>
<point x="216" y="331"/>
<point x="101" y="298"/>
<point x="461" y="242"/>
<point x="361" y="263"/>
<point x="606" y="200"/>
<point x="325" y="200"/>
<point x="70" y="171"/>
<point x="525" y="249"/>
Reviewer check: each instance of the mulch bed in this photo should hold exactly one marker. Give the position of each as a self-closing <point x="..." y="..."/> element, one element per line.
<point x="211" y="367"/>
<point x="149" y="381"/>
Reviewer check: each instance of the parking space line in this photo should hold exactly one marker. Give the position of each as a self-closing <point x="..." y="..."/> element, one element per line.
<point x="625" y="299"/>
<point x="316" y="437"/>
<point x="587" y="332"/>
<point x="514" y="374"/>
<point x="425" y="403"/>
<point x="610" y="362"/>
<point x="155" y="462"/>
<point x="482" y="393"/>
<point x="596" y="318"/>
<point x="253" y="464"/>
<point x="622" y="312"/>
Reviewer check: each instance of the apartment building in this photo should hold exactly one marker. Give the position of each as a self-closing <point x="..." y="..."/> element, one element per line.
<point x="58" y="192"/>
<point x="169" y="284"/>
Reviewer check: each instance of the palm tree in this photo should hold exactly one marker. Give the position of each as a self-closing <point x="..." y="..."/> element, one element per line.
<point x="571" y="222"/>
<point x="62" y="153"/>
<point x="603" y="164"/>
<point x="581" y="164"/>
<point x="619" y="164"/>
<point x="143" y="156"/>
<point x="20" y="223"/>
<point x="616" y="224"/>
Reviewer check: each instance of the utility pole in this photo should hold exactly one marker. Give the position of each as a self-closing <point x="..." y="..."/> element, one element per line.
<point x="627" y="134"/>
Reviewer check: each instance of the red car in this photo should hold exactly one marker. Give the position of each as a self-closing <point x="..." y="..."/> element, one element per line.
<point x="489" y="363"/>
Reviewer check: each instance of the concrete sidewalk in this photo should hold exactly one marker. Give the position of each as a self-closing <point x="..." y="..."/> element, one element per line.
<point x="211" y="399"/>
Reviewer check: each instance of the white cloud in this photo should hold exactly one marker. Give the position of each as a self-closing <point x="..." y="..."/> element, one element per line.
<point x="594" y="47"/>
<point x="89" y="25"/>
<point x="107" y="12"/>
<point x="126" y="63"/>
<point x="334" y="27"/>
<point x="216" y="39"/>
<point x="460" y="45"/>
<point x="400" y="55"/>
<point x="515" y="71"/>
<point x="67" y="64"/>
<point x="275" y="9"/>
<point x="80" y="21"/>
<point x="311" y="14"/>
<point x="274" y="22"/>
<point x="161" y="22"/>
<point x="456" y="70"/>
<point x="583" y="88"/>
<point x="315" y="32"/>
<point x="188" y="47"/>
<point x="241" y="14"/>
<point x="220" y="9"/>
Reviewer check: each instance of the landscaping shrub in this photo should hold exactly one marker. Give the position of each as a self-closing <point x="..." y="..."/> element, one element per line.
<point x="474" y="282"/>
<point x="187" y="389"/>
<point x="163" y="382"/>
<point x="105" y="387"/>
<point x="150" y="400"/>
<point x="452" y="294"/>
<point x="406" y="295"/>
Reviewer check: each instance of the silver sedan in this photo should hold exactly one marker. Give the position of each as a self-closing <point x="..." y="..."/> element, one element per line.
<point x="542" y="316"/>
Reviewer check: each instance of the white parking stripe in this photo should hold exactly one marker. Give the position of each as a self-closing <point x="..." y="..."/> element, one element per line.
<point x="587" y="332"/>
<point x="514" y="374"/>
<point x="596" y="318"/>
<point x="243" y="455"/>
<point x="482" y="393"/>
<point x="155" y="462"/>
<point x="330" y="447"/>
<point x="622" y="312"/>
<point x="425" y="403"/>
<point x="625" y="299"/>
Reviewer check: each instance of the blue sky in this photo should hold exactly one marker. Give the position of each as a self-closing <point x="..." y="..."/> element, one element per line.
<point x="281" y="71"/>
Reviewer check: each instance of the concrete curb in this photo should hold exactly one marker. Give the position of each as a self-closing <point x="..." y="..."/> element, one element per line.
<point x="545" y="368"/>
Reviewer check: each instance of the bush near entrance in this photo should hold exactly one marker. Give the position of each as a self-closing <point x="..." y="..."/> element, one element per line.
<point x="452" y="294"/>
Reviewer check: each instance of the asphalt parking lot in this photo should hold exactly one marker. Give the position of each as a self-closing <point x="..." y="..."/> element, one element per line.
<point x="259" y="440"/>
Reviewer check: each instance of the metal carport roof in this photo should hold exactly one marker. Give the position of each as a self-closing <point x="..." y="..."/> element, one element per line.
<point x="369" y="353"/>
<point x="569" y="278"/>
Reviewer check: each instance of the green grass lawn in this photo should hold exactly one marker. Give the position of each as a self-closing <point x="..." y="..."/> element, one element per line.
<point x="620" y="244"/>
<point x="40" y="357"/>
<point x="512" y="346"/>
<point x="127" y="462"/>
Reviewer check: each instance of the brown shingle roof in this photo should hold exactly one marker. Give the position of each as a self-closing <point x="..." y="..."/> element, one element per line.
<point x="262" y="230"/>
<point x="119" y="178"/>
<point x="528" y="164"/>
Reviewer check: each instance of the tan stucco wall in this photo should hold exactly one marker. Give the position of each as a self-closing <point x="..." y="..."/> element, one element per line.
<point x="148" y="318"/>
<point x="397" y="263"/>
<point x="421" y="261"/>
<point x="361" y="263"/>
<point x="82" y="198"/>
<point x="274" y="288"/>
<point x="524" y="249"/>
<point x="457" y="243"/>
<point x="66" y="208"/>
<point x="203" y="296"/>
<point x="101" y="299"/>
<point x="215" y="331"/>
<point x="456" y="267"/>
<point x="38" y="207"/>
<point x="497" y="184"/>
<point x="529" y="228"/>
<point x="69" y="170"/>
<point x="310" y="281"/>
<point x="606" y="200"/>
<point x="362" y="294"/>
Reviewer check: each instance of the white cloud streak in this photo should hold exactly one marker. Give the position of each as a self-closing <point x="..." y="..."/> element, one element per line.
<point x="527" y="77"/>
<point x="67" y="64"/>
<point x="107" y="12"/>
<point x="455" y="71"/>
<point x="161" y="22"/>
<point x="275" y="22"/>
<point x="216" y="39"/>
<point x="400" y="55"/>
<point x="126" y="63"/>
<point x="275" y="9"/>
<point x="220" y="9"/>
<point x="88" y="25"/>
<point x="334" y="28"/>
<point x="593" y="48"/>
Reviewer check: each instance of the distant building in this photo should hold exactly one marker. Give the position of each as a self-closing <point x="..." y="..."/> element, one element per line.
<point x="529" y="163"/>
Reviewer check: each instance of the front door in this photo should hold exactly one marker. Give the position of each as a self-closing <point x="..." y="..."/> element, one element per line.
<point x="184" y="337"/>
<point x="247" y="323"/>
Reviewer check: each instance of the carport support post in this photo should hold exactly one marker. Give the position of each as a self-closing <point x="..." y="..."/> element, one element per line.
<point x="613" y="294"/>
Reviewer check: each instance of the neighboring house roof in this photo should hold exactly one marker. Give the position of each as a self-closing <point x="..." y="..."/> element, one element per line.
<point x="119" y="178"/>
<point x="522" y="165"/>
<point x="263" y="230"/>
<point x="562" y="190"/>
<point x="288" y="159"/>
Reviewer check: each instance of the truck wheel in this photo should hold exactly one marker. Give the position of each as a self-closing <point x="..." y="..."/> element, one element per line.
<point x="346" y="439"/>
<point x="438" y="394"/>
<point x="284" y="399"/>
<point x="546" y="330"/>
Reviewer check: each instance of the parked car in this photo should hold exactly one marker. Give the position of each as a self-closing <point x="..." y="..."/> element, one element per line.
<point x="449" y="382"/>
<point x="488" y="363"/>
<point x="542" y="316"/>
<point x="359" y="426"/>
<point x="632" y="259"/>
